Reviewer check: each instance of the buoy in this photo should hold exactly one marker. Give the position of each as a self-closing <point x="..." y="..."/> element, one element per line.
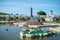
<point x="6" y="29"/>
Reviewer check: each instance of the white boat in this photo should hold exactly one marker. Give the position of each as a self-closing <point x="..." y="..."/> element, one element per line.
<point x="36" y="33"/>
<point x="19" y="23"/>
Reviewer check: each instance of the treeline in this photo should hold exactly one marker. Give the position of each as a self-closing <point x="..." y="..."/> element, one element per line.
<point x="2" y="13"/>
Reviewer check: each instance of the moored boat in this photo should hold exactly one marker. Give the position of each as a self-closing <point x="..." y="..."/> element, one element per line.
<point x="35" y="32"/>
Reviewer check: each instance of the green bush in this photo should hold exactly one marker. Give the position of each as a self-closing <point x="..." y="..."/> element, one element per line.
<point x="58" y="20"/>
<point x="41" y="13"/>
<point x="41" y="19"/>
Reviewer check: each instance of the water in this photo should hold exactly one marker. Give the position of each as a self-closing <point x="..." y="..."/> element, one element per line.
<point x="13" y="33"/>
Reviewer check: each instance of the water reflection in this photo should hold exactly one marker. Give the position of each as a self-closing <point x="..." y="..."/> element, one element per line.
<point x="13" y="33"/>
<point x="36" y="38"/>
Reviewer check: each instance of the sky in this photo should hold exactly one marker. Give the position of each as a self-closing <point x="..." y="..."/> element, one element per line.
<point x="23" y="6"/>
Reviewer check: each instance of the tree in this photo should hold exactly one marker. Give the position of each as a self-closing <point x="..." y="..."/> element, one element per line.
<point x="16" y="17"/>
<point x="4" y="18"/>
<point x="28" y="18"/>
<point x="41" y="13"/>
<point x="17" y="14"/>
<point x="10" y="18"/>
<point x="2" y="13"/>
<point x="41" y="19"/>
<point x="58" y="20"/>
<point x="1" y="17"/>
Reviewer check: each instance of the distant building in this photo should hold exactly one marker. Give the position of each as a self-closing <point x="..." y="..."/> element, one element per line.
<point x="7" y="17"/>
<point x="50" y="17"/>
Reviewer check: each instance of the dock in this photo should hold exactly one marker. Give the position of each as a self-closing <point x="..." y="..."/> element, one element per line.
<point x="6" y="21"/>
<point x="55" y="29"/>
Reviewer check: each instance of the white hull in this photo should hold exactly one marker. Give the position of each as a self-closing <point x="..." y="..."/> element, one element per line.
<point x="19" y="23"/>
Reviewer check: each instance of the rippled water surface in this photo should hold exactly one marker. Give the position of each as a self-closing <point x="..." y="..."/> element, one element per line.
<point x="13" y="33"/>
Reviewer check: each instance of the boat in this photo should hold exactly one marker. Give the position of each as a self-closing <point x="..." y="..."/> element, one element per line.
<point x="19" y="23"/>
<point x="32" y="32"/>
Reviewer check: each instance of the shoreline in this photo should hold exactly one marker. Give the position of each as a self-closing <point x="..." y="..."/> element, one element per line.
<point x="4" y="22"/>
<point x="51" y="28"/>
<point x="57" y="29"/>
